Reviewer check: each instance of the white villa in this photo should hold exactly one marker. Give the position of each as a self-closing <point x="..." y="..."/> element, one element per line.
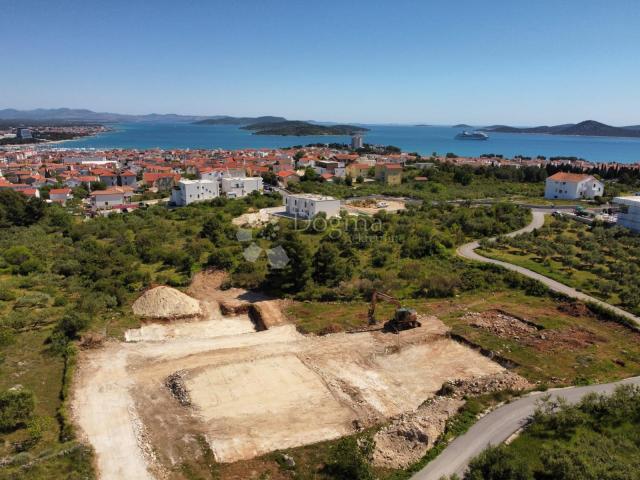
<point x="572" y="186"/>
<point x="190" y="191"/>
<point x="236" y="187"/>
<point x="629" y="215"/>
<point x="307" y="205"/>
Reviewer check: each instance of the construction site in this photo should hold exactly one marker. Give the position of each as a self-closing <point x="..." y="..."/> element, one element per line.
<point x="226" y="367"/>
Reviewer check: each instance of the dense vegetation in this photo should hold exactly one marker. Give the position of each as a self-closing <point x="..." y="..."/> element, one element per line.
<point x="594" y="440"/>
<point x="604" y="262"/>
<point x="409" y="253"/>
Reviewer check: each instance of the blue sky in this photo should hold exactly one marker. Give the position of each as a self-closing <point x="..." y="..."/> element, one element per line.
<point x="517" y="62"/>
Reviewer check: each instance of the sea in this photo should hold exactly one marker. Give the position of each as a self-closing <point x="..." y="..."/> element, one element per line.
<point x="422" y="139"/>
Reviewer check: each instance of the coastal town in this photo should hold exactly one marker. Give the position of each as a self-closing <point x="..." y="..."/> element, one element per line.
<point x="319" y="240"/>
<point x="100" y="182"/>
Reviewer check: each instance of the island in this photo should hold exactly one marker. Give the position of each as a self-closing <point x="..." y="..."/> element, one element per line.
<point x="588" y="128"/>
<point x="227" y="120"/>
<point x="461" y="125"/>
<point x="299" y="128"/>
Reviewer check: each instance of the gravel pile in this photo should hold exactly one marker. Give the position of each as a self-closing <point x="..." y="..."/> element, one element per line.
<point x="166" y="303"/>
<point x="499" y="324"/>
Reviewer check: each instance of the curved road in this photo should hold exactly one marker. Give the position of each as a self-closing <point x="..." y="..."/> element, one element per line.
<point x="468" y="251"/>
<point x="498" y="426"/>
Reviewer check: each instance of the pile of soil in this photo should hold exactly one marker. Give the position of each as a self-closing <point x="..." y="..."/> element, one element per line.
<point x="409" y="436"/>
<point x="575" y="309"/>
<point x="500" y="323"/>
<point x="487" y="384"/>
<point x="166" y="303"/>
<point x="270" y="313"/>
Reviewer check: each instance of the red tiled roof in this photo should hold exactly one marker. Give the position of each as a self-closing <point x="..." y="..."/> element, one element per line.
<point x="569" y="177"/>
<point x="60" y="191"/>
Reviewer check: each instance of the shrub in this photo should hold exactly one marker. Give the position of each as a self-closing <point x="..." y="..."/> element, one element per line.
<point x="348" y="462"/>
<point x="16" y="408"/>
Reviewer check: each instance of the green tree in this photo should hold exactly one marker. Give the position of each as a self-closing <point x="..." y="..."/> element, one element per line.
<point x="329" y="268"/>
<point x="293" y="276"/>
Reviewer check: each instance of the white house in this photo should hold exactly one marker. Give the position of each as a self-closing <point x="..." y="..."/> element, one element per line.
<point x="60" y="195"/>
<point x="307" y="205"/>
<point x="572" y="186"/>
<point x="105" y="199"/>
<point x="629" y="215"/>
<point x="189" y="191"/>
<point x="236" y="187"/>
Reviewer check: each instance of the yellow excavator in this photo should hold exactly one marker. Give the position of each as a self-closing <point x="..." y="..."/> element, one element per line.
<point x="403" y="318"/>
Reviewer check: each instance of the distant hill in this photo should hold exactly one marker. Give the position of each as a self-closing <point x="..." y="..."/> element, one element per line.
<point x="586" y="128"/>
<point x="83" y="115"/>
<point x="461" y="125"/>
<point x="226" y="120"/>
<point x="299" y="128"/>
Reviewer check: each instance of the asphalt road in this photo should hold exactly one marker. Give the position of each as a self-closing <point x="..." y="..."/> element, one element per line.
<point x="468" y="251"/>
<point x="498" y="426"/>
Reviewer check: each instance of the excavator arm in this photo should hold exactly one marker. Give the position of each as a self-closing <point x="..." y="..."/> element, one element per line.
<point x="374" y="302"/>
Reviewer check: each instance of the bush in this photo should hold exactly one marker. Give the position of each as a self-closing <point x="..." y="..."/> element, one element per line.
<point x="16" y="408"/>
<point x="498" y="463"/>
<point x="348" y="462"/>
<point x="6" y="294"/>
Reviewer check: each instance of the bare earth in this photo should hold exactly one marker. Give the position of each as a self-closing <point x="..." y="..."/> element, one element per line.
<point x="251" y="392"/>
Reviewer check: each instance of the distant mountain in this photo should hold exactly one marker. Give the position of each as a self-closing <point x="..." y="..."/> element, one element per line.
<point x="300" y="128"/>
<point x="226" y="120"/>
<point x="83" y="115"/>
<point x="461" y="125"/>
<point x="587" y="128"/>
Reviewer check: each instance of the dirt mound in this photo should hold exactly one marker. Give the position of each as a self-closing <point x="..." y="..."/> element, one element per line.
<point x="270" y="313"/>
<point x="487" y="384"/>
<point x="166" y="303"/>
<point x="575" y="309"/>
<point x="500" y="323"/>
<point x="408" y="437"/>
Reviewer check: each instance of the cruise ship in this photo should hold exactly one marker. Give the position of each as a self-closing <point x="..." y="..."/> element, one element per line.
<point x="472" y="136"/>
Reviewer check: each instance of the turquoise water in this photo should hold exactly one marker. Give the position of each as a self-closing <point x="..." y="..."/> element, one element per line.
<point x="420" y="139"/>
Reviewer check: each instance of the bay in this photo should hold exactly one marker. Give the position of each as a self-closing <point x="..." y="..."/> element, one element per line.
<point x="421" y="139"/>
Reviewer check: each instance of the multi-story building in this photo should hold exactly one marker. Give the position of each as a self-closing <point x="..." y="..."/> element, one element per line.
<point x="629" y="215"/>
<point x="307" y="205"/>
<point x="236" y="187"/>
<point x="357" y="141"/>
<point x="389" y="173"/>
<point x="190" y="191"/>
<point x="572" y="186"/>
